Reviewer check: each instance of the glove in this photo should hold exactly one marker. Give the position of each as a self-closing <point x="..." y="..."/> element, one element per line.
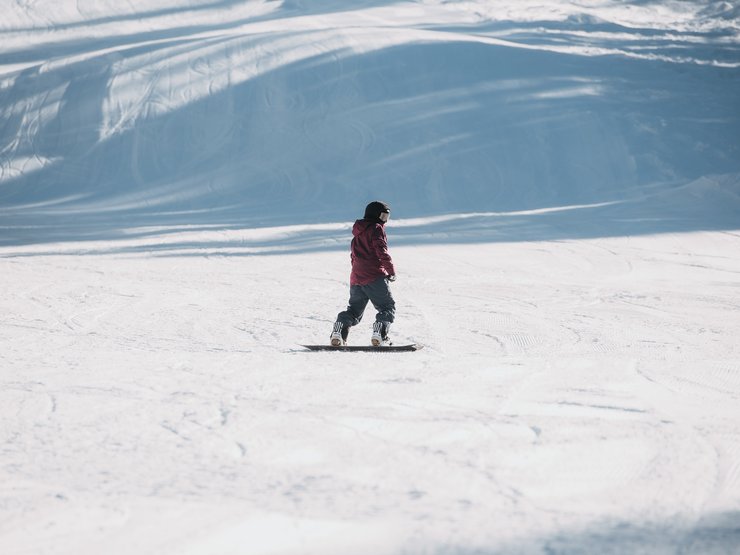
<point x="392" y="278"/>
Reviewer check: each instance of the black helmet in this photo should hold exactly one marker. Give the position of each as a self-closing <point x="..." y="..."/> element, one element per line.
<point x="375" y="209"/>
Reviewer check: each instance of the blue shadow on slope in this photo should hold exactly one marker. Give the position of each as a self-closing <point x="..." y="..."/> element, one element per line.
<point x="434" y="128"/>
<point x="664" y="212"/>
<point x="714" y="534"/>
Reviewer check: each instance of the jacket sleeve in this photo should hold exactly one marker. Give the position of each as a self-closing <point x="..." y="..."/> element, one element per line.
<point x="380" y="244"/>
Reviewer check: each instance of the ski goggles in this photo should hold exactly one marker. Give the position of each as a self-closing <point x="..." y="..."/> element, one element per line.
<point x="384" y="216"/>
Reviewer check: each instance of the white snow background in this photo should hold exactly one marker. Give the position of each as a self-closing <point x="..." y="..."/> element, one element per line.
<point x="178" y="179"/>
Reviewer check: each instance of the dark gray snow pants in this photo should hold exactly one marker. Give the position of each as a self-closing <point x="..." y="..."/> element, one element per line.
<point x="379" y="293"/>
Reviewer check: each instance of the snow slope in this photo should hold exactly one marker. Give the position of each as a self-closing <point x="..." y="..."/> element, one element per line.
<point x="178" y="179"/>
<point x="269" y="113"/>
<point x="573" y="397"/>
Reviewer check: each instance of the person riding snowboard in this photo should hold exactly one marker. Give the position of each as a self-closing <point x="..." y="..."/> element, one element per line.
<point x="372" y="272"/>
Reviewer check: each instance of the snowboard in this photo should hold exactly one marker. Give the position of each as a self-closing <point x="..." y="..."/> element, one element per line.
<point x="366" y="348"/>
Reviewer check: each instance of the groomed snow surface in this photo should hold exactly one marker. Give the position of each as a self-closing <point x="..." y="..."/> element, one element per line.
<point x="178" y="181"/>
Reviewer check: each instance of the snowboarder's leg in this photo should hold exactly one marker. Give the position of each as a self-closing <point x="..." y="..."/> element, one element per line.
<point x="380" y="295"/>
<point x="351" y="316"/>
<point x="379" y="292"/>
<point x="358" y="300"/>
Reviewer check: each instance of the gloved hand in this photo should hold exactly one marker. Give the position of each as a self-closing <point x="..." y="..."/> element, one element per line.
<point x="392" y="278"/>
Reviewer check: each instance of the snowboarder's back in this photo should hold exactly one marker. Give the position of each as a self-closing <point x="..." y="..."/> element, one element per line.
<point x="370" y="258"/>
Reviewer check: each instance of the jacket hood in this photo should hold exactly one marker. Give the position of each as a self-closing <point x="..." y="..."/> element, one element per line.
<point x="362" y="225"/>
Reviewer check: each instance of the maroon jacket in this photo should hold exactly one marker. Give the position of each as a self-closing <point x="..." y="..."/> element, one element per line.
<point x="370" y="258"/>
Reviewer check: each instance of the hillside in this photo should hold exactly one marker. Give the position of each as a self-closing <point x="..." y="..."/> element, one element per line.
<point x="243" y="114"/>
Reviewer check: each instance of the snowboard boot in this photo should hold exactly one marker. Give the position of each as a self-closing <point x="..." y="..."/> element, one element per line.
<point x="380" y="334"/>
<point x="339" y="335"/>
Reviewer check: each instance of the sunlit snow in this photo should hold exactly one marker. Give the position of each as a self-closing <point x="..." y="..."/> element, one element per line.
<point x="178" y="182"/>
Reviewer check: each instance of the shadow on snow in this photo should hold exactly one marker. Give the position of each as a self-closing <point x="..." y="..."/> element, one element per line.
<point x="716" y="534"/>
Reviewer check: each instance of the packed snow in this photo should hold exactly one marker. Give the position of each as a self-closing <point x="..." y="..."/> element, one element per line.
<point x="178" y="182"/>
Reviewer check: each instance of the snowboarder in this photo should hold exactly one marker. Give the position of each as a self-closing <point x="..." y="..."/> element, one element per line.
<point x="372" y="272"/>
